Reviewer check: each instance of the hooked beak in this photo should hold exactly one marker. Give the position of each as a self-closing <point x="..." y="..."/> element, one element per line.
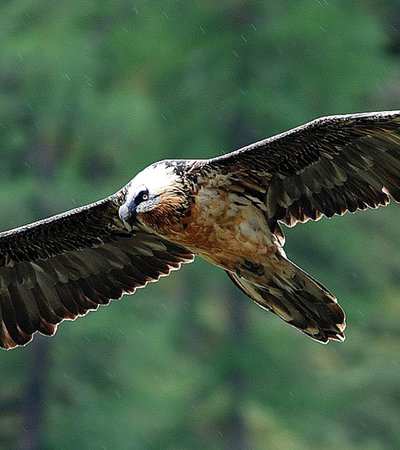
<point x="127" y="211"/>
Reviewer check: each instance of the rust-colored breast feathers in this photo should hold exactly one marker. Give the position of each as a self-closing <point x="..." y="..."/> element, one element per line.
<point x="172" y="207"/>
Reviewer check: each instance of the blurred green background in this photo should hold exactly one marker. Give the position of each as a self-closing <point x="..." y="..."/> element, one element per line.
<point x="90" y="93"/>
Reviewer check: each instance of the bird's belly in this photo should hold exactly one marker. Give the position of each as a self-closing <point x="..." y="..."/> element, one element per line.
<point x="225" y="234"/>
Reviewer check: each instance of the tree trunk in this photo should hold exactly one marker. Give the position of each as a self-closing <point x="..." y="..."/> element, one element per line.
<point x="32" y="408"/>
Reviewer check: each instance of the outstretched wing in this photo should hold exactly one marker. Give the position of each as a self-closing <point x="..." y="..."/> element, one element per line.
<point x="62" y="267"/>
<point x="328" y="166"/>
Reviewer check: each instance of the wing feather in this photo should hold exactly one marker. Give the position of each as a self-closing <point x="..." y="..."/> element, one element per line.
<point x="328" y="166"/>
<point x="62" y="267"/>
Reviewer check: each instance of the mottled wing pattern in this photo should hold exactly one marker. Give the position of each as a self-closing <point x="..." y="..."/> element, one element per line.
<point x="325" y="167"/>
<point x="62" y="267"/>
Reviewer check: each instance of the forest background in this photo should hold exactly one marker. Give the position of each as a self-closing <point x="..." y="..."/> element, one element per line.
<point x="92" y="92"/>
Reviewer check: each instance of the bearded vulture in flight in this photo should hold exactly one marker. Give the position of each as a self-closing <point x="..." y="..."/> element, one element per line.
<point x="227" y="210"/>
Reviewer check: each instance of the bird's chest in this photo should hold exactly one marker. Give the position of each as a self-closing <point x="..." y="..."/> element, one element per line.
<point x="223" y="227"/>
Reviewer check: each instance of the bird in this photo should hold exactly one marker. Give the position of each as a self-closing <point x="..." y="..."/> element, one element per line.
<point x="228" y="210"/>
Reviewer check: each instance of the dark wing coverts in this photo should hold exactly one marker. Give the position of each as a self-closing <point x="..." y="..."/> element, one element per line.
<point x="325" y="167"/>
<point x="62" y="267"/>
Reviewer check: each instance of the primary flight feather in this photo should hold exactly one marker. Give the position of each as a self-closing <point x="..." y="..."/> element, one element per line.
<point x="227" y="210"/>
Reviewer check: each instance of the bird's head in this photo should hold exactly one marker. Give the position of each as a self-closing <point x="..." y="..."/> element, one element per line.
<point x="156" y="198"/>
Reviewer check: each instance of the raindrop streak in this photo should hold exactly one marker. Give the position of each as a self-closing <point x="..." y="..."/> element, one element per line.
<point x="87" y="80"/>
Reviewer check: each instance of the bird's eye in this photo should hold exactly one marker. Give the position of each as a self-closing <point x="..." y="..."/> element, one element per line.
<point x="142" y="196"/>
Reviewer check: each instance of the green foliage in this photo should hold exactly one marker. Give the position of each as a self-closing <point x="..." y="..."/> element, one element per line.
<point x="91" y="92"/>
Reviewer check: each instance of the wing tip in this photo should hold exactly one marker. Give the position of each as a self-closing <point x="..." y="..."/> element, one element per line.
<point x="325" y="335"/>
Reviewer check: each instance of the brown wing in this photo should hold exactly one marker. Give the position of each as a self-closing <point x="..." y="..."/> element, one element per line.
<point x="325" y="167"/>
<point x="62" y="267"/>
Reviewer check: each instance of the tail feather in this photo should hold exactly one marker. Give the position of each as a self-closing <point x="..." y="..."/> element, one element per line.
<point x="299" y="300"/>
